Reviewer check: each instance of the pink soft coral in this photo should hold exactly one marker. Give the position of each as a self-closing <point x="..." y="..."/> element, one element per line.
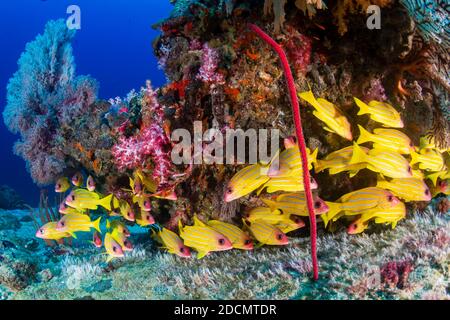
<point x="150" y="144"/>
<point x="208" y="71"/>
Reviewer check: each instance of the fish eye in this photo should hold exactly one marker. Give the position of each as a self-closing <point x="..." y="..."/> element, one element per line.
<point x="221" y="242"/>
<point x="41" y="231"/>
<point x="317" y="204"/>
<point x="58" y="186"/>
<point x="114" y="249"/>
<point x="229" y="190"/>
<point x="409" y="169"/>
<point x="63" y="223"/>
<point x="390" y="198"/>
<point x="182" y="250"/>
<point x="427" y="192"/>
<point x="247" y="242"/>
<point x="280" y="236"/>
<point x="73" y="198"/>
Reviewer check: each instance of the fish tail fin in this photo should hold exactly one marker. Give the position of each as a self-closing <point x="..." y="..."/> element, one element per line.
<point x="198" y="222"/>
<point x="363" y="108"/>
<point x="365" y="136"/>
<point x="308" y="96"/>
<point x="106" y="202"/>
<point x="270" y="203"/>
<point x="180" y="228"/>
<point x="333" y="210"/>
<point x="320" y="165"/>
<point x="358" y="156"/>
<point x="96" y="224"/>
<point x="201" y="254"/>
<point x="414" y="157"/>
<point x="433" y="177"/>
<point x="353" y="173"/>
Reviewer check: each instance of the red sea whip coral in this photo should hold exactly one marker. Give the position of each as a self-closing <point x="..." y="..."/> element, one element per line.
<point x="300" y="139"/>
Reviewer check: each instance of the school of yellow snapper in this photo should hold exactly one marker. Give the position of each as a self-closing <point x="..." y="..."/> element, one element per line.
<point x="402" y="169"/>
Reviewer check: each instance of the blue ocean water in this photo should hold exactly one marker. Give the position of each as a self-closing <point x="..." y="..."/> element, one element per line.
<point x="114" y="46"/>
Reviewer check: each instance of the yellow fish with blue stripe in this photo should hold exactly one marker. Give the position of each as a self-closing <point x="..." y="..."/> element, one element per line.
<point x="77" y="222"/>
<point x="266" y="233"/>
<point x="62" y="185"/>
<point x="409" y="189"/>
<point x="122" y="240"/>
<point x="203" y="239"/>
<point x="387" y="139"/>
<point x="113" y="249"/>
<point x="328" y="113"/>
<point x="239" y="239"/>
<point x="390" y="215"/>
<point x="49" y="231"/>
<point x="287" y="184"/>
<point x="117" y="225"/>
<point x="429" y="142"/>
<point x="171" y="242"/>
<point x="387" y="163"/>
<point x="339" y="161"/>
<point x="246" y="181"/>
<point x="83" y="199"/>
<point x="289" y="163"/>
<point x="357" y="201"/>
<point x="295" y="203"/>
<point x="381" y="112"/>
<point x="429" y="159"/>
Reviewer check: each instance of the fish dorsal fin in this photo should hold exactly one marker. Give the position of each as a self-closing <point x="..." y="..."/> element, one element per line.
<point x="198" y="222"/>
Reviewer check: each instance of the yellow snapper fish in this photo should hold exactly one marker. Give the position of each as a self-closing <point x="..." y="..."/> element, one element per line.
<point x="328" y="113"/>
<point x="295" y="203"/>
<point x="381" y="112"/>
<point x="435" y="176"/>
<point x="118" y="226"/>
<point x="429" y="142"/>
<point x="143" y="202"/>
<point x="266" y="214"/>
<point x="62" y="185"/>
<point x="145" y="219"/>
<point x="246" y="181"/>
<point x="171" y="242"/>
<point x="429" y="159"/>
<point x="387" y="163"/>
<point x="83" y="199"/>
<point x="148" y="182"/>
<point x="388" y="139"/>
<point x="442" y="186"/>
<point x="49" y="232"/>
<point x="64" y="209"/>
<point x="391" y="215"/>
<point x="77" y="179"/>
<point x="136" y="186"/>
<point x="122" y="240"/>
<point x="289" y="164"/>
<point x="338" y="161"/>
<point x="126" y="211"/>
<point x="266" y="233"/>
<point x="239" y="239"/>
<point x="77" y="222"/>
<point x="294" y="223"/>
<point x="113" y="249"/>
<point x="90" y="184"/>
<point x="203" y="239"/>
<point x="409" y="189"/>
<point x="287" y="184"/>
<point x="418" y="174"/>
<point x="360" y="200"/>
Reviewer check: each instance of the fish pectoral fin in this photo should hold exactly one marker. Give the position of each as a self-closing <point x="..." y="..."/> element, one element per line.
<point x="201" y="254"/>
<point x="72" y="234"/>
<point x="328" y="129"/>
<point x="259" y="245"/>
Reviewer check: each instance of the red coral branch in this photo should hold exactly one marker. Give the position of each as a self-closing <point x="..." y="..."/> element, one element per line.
<point x="300" y="139"/>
